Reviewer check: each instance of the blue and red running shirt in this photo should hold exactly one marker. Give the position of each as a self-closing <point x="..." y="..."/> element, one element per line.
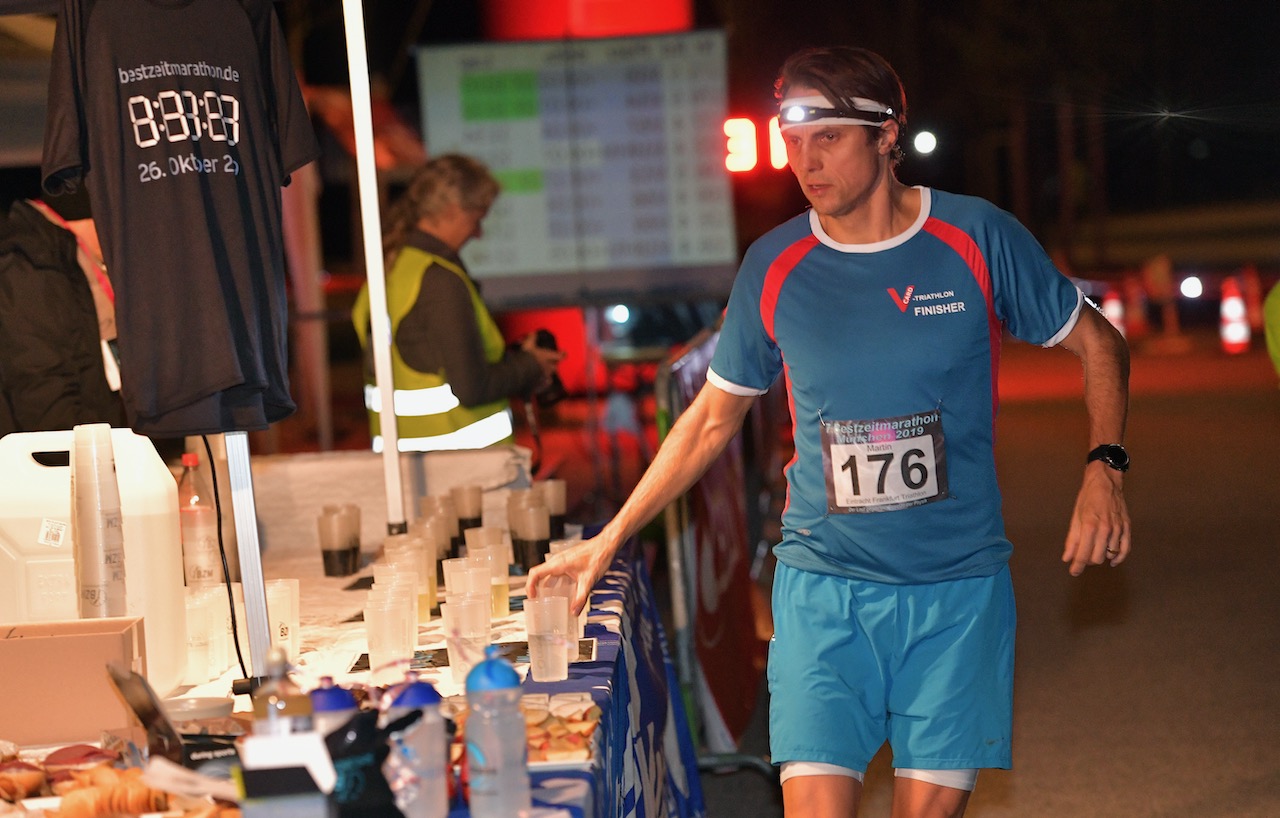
<point x="889" y="353"/>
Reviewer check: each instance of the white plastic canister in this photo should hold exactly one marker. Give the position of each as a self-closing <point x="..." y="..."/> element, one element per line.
<point x="37" y="570"/>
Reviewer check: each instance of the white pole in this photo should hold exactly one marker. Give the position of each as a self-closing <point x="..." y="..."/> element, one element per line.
<point x="257" y="625"/>
<point x="371" y="222"/>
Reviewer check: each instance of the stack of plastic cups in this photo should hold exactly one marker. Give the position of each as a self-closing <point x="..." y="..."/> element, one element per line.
<point x="391" y="624"/>
<point x="515" y="499"/>
<point x="441" y="506"/>
<point x="490" y="560"/>
<point x="434" y="531"/>
<point x="398" y="577"/>
<point x="97" y="534"/>
<point x="553" y="494"/>
<point x="466" y="614"/>
<point x="488" y="545"/>
<point x="468" y="502"/>
<point x="556" y="547"/>
<point x="530" y="534"/>
<point x="411" y="553"/>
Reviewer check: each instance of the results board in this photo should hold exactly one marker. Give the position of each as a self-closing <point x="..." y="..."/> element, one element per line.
<point x="610" y="152"/>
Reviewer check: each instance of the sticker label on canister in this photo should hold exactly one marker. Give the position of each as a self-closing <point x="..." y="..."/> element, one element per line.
<point x="53" y="533"/>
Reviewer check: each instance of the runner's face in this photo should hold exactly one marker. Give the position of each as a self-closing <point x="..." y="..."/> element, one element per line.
<point x="838" y="166"/>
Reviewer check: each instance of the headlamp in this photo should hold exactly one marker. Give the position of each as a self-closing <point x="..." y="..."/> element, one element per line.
<point x="819" y="110"/>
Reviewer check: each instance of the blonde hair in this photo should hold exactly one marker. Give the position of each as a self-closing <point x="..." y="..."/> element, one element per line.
<point x="450" y="178"/>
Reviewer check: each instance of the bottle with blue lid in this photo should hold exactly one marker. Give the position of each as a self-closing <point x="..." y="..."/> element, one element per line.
<point x="419" y="752"/>
<point x="331" y="706"/>
<point x="496" y="752"/>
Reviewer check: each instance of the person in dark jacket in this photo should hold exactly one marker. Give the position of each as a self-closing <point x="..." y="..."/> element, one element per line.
<point x="57" y="320"/>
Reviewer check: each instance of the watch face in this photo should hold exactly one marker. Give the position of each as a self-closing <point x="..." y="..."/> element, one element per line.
<point x="1113" y="455"/>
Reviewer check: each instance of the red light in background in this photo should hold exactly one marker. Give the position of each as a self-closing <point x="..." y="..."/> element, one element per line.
<point x="568" y="19"/>
<point x="742" y="150"/>
<point x="741" y="153"/>
<point x="777" y="148"/>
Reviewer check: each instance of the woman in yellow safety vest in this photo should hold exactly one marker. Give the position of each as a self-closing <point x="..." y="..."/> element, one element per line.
<point x="450" y="365"/>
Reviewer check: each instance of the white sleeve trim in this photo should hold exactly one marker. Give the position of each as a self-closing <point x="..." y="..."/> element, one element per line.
<point x="731" y="387"/>
<point x="1070" y="325"/>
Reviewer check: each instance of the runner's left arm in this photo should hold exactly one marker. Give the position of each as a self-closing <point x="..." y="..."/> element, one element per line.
<point x="1100" y="520"/>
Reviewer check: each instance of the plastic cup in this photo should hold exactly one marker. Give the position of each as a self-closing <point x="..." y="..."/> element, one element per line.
<point x="466" y="632"/>
<point x="414" y="555"/>
<point x="387" y="619"/>
<point x="531" y="535"/>
<point x="554" y="493"/>
<point x="337" y="551"/>
<point x="547" y="624"/>
<point x="200" y="623"/>
<point x="435" y="531"/>
<point x="485" y="536"/>
<point x="490" y="560"/>
<point x="560" y="586"/>
<point x="468" y="502"/>
<point x="283" y="609"/>
<point x="441" y="506"/>
<point x="463" y="576"/>
<point x="404" y="586"/>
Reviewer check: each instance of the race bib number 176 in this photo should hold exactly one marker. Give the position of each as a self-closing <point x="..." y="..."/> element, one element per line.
<point x="884" y="464"/>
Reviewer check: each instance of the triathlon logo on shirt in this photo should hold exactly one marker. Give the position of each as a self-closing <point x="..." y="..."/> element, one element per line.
<point x="927" y="304"/>
<point x="902" y="300"/>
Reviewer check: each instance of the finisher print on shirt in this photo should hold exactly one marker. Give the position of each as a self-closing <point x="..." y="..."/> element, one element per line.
<point x="885" y="464"/>
<point x="184" y="118"/>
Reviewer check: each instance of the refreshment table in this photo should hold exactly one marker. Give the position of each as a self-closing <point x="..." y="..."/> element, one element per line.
<point x="643" y="761"/>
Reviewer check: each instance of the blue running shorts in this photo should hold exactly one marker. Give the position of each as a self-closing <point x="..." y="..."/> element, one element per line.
<point x="928" y="668"/>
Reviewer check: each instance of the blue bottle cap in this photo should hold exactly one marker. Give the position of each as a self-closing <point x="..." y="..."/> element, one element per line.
<point x="328" y="697"/>
<point x="416" y="693"/>
<point x="494" y="673"/>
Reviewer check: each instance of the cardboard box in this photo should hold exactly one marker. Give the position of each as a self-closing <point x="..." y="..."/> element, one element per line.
<point x="54" y="686"/>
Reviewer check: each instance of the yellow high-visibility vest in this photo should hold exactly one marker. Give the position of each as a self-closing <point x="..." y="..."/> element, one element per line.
<point x="428" y="414"/>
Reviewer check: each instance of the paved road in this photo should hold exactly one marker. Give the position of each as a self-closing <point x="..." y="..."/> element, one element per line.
<point x="1150" y="690"/>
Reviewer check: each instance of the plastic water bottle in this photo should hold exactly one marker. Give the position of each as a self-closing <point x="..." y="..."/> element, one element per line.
<point x="331" y="706"/>
<point x="201" y="559"/>
<point x="416" y="766"/>
<point x="496" y="749"/>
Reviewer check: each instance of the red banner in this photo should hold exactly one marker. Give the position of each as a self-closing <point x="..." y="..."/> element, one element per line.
<point x="730" y="655"/>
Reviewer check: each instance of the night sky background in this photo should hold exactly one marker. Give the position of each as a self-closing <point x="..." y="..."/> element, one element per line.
<point x="1184" y="95"/>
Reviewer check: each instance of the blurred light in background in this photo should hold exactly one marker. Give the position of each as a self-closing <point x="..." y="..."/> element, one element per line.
<point x="925" y="143"/>
<point x="741" y="153"/>
<point x="618" y="314"/>
<point x="777" y="148"/>
<point x="1191" y="287"/>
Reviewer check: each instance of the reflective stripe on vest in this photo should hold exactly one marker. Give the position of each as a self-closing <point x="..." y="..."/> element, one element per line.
<point x="433" y="400"/>
<point x="484" y="432"/>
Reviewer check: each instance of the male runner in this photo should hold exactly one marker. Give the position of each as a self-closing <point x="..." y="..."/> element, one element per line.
<point x="883" y="307"/>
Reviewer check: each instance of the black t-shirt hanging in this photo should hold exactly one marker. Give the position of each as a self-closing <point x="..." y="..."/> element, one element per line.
<point x="185" y="118"/>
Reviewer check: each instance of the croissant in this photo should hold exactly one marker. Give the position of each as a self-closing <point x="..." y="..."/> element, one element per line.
<point x="108" y="791"/>
<point x="20" y="780"/>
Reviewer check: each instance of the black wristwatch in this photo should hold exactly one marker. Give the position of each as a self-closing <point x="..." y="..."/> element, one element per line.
<point x="1113" y="454"/>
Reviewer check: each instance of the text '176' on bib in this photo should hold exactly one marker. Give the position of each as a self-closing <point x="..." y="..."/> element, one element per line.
<point x="884" y="464"/>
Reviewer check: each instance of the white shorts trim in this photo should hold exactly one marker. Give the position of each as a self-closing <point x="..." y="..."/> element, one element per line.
<point x="795" y="769"/>
<point x="955" y="779"/>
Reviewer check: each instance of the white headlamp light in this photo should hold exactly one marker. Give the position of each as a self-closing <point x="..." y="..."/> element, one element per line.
<point x="816" y="110"/>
